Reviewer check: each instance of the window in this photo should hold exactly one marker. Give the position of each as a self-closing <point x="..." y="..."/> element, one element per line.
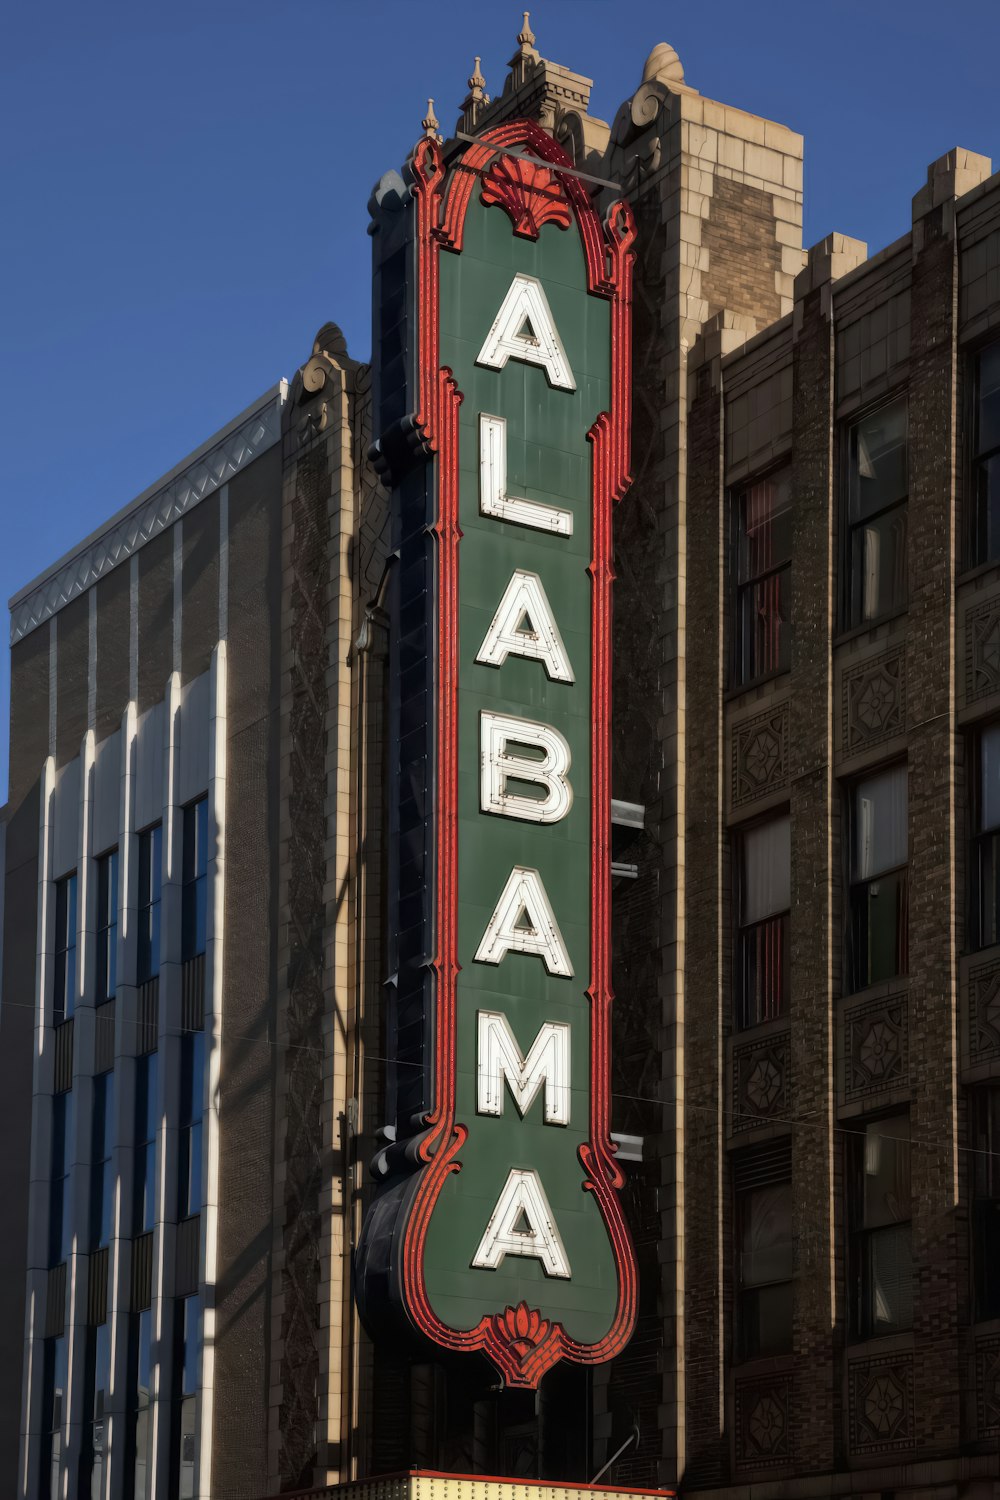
<point x="98" y="1383"/>
<point x="765" y="1259"/>
<point x="192" y="1094"/>
<point x="54" y="1381"/>
<point x="985" y="1117"/>
<point x="145" y="1142"/>
<point x="195" y="879"/>
<point x="64" y="982"/>
<point x="150" y="868"/>
<point x="763" y="523"/>
<point x="881" y="1265"/>
<point x="102" y="1203"/>
<point x="60" y="1202"/>
<point x="876" y="511"/>
<point x="141" y="1385"/>
<point x="984" y="861"/>
<point x="877" y="935"/>
<point x="763" y="900"/>
<point x="187" y="1361"/>
<point x="985" y="488"/>
<point x="107" y="927"/>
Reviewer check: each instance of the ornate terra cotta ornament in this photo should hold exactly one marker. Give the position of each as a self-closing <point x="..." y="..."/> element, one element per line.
<point x="881" y="1404"/>
<point x="528" y="193"/>
<point x="763" y="1439"/>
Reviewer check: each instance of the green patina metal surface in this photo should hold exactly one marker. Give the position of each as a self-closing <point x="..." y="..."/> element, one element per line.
<point x="549" y="460"/>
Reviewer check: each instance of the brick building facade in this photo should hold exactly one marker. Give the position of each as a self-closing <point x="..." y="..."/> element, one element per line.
<point x="806" y="925"/>
<point x="843" y="504"/>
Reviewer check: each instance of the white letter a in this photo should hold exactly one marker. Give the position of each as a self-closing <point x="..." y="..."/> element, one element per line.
<point x="525" y="329"/>
<point x="524" y="921"/>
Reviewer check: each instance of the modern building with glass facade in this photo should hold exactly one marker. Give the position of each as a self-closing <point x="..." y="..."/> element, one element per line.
<point x="196" y="1011"/>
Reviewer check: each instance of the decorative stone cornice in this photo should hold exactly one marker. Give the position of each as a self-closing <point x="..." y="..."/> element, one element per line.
<point x="210" y="466"/>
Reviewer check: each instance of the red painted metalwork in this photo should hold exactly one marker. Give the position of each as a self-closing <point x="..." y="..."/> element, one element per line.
<point x="520" y="1341"/>
<point x="530" y="194"/>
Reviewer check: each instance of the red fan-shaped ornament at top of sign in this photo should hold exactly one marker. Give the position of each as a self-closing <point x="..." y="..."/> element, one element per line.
<point x="529" y="193"/>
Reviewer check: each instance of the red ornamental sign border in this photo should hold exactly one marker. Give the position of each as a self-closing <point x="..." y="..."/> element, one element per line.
<point x="520" y="1341"/>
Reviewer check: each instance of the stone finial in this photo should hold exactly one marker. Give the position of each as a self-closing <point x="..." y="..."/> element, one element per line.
<point x="476" y="99"/>
<point x="526" y="37"/>
<point x="663" y="65"/>
<point x="477" y="83"/>
<point x="430" y="123"/>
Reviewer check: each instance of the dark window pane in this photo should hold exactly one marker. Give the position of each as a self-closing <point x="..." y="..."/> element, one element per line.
<point x="764" y="626"/>
<point x="988" y="410"/>
<point x="60" y="1203"/>
<point x="766" y="1321"/>
<point x="150" y="854"/>
<point x="877" y="492"/>
<point x="984" y="1105"/>
<point x="766" y="1265"/>
<point x="986" y="1257"/>
<point x="54" y="1381"/>
<point x="145" y="1147"/>
<point x="886" y="1172"/>
<point x="98" y="1382"/>
<point x="880" y="833"/>
<point x="985" y="870"/>
<point x="989" y="778"/>
<point x="107" y="926"/>
<point x="878" y="567"/>
<point x="878" y="461"/>
<point x="195" y="878"/>
<point x="102" y="1175"/>
<point x="187" y="1368"/>
<point x="765" y="527"/>
<point x="763" y="973"/>
<point x="767" y="860"/>
<point x="763" y="902"/>
<point x="767" y="1235"/>
<point x="881" y="1239"/>
<point x="879" y="925"/>
<point x="763" y="577"/>
<point x="64" y="965"/>
<point x="986" y="483"/>
<point x="890" y="1280"/>
<point x="190" y="1143"/>
<point x="140" y="1400"/>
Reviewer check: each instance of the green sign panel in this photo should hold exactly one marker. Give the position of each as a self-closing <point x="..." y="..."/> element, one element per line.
<point x="498" y="1226"/>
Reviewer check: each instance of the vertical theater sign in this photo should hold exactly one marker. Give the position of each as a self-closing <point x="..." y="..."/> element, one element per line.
<point x="503" y="308"/>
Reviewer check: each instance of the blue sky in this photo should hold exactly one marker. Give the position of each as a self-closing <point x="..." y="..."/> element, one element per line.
<point x="185" y="188"/>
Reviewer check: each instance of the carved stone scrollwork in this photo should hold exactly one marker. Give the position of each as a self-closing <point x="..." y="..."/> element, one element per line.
<point x="876" y="1047"/>
<point x="982" y="650"/>
<point x="880" y="1405"/>
<point x="763" y="1440"/>
<point x="308" y="415"/>
<point x="984" y="1012"/>
<point x="874" y="700"/>
<point x="760" y="1082"/>
<point x="988" y="1387"/>
<point x="760" y="756"/>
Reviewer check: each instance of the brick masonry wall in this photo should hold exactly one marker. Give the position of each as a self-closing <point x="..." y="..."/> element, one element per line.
<point x="705" y="1023"/>
<point x="812" y="1419"/>
<point x="744" y="256"/>
<point x="644" y="693"/>
<point x="933" y="748"/>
